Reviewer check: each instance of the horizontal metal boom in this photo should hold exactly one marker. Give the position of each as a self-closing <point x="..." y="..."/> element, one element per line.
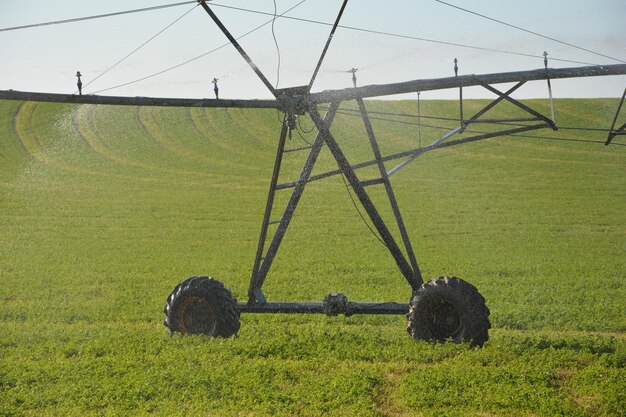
<point x="137" y="101"/>
<point x="319" y="308"/>
<point x="329" y="95"/>
<point x="465" y="81"/>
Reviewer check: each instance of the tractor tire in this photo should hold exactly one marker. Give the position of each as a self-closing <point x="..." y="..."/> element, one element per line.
<point x="448" y="309"/>
<point x="202" y="305"/>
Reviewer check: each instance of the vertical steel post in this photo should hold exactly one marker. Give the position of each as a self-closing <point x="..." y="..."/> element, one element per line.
<point x="545" y="63"/>
<point x="551" y="101"/>
<point x="456" y="74"/>
<point x="270" y="198"/>
<point x="462" y="122"/>
<point x="419" y="121"/>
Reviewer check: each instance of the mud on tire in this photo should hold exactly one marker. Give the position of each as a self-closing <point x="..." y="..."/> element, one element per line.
<point x="449" y="309"/>
<point x="202" y="305"/>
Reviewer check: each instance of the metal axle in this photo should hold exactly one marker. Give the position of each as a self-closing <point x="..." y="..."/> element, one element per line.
<point x="332" y="305"/>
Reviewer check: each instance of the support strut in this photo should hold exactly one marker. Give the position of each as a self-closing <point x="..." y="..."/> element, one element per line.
<point x="410" y="275"/>
<point x="620" y="130"/>
<point x="243" y="53"/>
<point x="417" y="276"/>
<point x="263" y="263"/>
<point x="269" y="205"/>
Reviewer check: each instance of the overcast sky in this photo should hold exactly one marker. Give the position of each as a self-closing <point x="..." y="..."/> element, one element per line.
<point x="46" y="58"/>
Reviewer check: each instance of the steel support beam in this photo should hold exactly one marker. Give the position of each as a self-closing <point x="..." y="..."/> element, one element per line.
<point x="414" y="153"/>
<point x="268" y="206"/>
<point x="321" y="308"/>
<point x="465" y="81"/>
<point x="328" y="41"/>
<point x="417" y="279"/>
<point x="507" y="97"/>
<point x="331" y="95"/>
<point x="491" y="105"/>
<point x="255" y="295"/>
<point x="365" y="200"/>
<point x="137" y="101"/>
<point x="241" y="51"/>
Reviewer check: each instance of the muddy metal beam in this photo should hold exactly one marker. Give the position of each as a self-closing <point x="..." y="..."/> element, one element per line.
<point x="137" y="101"/>
<point x="465" y="81"/>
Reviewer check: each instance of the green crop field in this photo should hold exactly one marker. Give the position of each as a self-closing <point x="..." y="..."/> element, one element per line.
<point x="103" y="210"/>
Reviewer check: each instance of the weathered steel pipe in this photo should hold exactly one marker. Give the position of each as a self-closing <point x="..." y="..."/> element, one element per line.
<point x="137" y="101"/>
<point x="329" y="95"/>
<point x="465" y="81"/>
<point x="320" y="308"/>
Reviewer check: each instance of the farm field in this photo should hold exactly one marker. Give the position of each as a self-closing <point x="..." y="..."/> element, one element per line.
<point x="103" y="210"/>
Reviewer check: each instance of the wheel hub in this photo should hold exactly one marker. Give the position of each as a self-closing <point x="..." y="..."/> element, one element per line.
<point x="444" y="321"/>
<point x="196" y="315"/>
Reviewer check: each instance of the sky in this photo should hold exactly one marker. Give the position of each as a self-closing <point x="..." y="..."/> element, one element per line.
<point x="46" y="58"/>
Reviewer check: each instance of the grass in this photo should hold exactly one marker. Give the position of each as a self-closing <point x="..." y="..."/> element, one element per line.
<point x="103" y="210"/>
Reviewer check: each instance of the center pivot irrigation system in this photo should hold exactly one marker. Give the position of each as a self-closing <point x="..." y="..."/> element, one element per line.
<point x="443" y="309"/>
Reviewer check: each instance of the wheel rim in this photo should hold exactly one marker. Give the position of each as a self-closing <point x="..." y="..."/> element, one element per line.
<point x="196" y="315"/>
<point x="444" y="321"/>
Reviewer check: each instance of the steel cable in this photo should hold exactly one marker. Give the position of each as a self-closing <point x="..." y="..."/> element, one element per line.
<point x="273" y="18"/>
<point x="196" y="57"/>
<point x="277" y="47"/>
<point x="378" y="32"/>
<point x="141" y="46"/>
<point x="531" y="32"/>
<point x="351" y="112"/>
<point x="99" y="16"/>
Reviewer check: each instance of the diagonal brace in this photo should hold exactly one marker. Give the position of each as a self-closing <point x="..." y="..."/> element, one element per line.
<point x="417" y="277"/>
<point x="270" y="199"/>
<point x="258" y="276"/>
<point x="365" y="200"/>
<point x="511" y="100"/>
<point x="330" y="38"/>
<point x="236" y="44"/>
<point x="492" y="104"/>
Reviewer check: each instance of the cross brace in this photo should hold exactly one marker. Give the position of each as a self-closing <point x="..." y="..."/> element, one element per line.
<point x="405" y="259"/>
<point x="541" y="122"/>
